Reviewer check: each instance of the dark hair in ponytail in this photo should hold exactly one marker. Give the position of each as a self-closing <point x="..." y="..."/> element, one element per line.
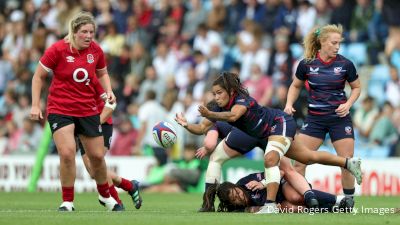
<point x="231" y="83"/>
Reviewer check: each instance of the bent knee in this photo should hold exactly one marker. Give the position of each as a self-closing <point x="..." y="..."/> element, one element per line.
<point x="67" y="154"/>
<point x="271" y="159"/>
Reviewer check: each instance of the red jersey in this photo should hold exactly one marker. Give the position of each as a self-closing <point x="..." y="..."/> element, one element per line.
<point x="71" y="91"/>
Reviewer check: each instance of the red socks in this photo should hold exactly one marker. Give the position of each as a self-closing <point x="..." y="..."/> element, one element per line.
<point x="125" y="185"/>
<point x="68" y="194"/>
<point x="114" y="194"/>
<point x="104" y="190"/>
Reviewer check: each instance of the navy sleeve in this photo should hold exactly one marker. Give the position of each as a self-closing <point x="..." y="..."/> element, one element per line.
<point x="242" y="100"/>
<point x="301" y="71"/>
<point x="351" y="72"/>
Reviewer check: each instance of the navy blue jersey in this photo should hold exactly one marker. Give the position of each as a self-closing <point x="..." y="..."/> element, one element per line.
<point x="257" y="197"/>
<point x="325" y="83"/>
<point x="257" y="120"/>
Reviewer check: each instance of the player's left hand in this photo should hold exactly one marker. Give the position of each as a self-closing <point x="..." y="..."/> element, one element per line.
<point x="255" y="185"/>
<point x="111" y="97"/>
<point x="343" y="110"/>
<point x="204" y="112"/>
<point x="201" y="152"/>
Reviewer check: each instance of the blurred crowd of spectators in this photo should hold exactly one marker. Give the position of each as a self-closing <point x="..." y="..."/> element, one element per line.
<point x="165" y="53"/>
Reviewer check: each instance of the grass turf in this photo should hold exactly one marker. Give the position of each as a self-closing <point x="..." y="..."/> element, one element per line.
<point x="19" y="208"/>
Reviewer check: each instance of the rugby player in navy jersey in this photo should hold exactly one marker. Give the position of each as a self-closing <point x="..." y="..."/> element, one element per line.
<point x="240" y="110"/>
<point x="325" y="73"/>
<point x="248" y="195"/>
<point x="239" y="143"/>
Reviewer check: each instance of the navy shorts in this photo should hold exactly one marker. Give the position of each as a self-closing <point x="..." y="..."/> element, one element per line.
<point x="338" y="127"/>
<point x="237" y="139"/>
<point x="283" y="125"/>
<point x="88" y="126"/>
<point x="107" y="135"/>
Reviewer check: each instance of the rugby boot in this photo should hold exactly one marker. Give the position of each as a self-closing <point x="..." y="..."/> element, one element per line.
<point x="135" y="194"/>
<point x="354" y="166"/>
<point x="66" y="207"/>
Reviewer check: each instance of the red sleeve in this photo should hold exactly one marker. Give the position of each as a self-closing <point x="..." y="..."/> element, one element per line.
<point x="101" y="64"/>
<point x="50" y="57"/>
<point x="97" y="86"/>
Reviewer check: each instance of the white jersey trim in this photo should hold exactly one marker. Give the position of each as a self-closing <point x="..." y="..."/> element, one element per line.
<point x="45" y="67"/>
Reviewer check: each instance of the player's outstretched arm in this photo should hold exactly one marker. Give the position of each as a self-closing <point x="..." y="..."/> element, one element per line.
<point x="198" y="129"/>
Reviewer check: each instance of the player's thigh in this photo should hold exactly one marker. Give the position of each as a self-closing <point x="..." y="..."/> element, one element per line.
<point x="291" y="195"/>
<point x="63" y="129"/>
<point x="312" y="132"/>
<point x="90" y="134"/>
<point x="64" y="140"/>
<point x="342" y="135"/>
<point x="238" y="143"/>
<point x="94" y="146"/>
<point x="310" y="142"/>
<point x="344" y="147"/>
<point x="301" y="153"/>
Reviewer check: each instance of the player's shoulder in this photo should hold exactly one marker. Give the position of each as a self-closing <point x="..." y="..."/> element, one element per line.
<point x="60" y="45"/>
<point x="343" y="59"/>
<point x="307" y="62"/>
<point x="95" y="47"/>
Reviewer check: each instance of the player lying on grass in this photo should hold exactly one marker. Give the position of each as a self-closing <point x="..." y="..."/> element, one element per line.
<point x="248" y="195"/>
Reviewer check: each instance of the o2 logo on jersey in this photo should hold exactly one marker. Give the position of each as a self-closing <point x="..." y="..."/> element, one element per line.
<point x="77" y="73"/>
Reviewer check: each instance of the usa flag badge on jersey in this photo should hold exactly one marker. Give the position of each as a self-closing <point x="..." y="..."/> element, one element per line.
<point x="337" y="69"/>
<point x="90" y="58"/>
<point x="348" y="130"/>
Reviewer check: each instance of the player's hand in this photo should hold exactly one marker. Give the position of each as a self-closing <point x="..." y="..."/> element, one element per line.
<point x="343" y="110"/>
<point x="289" y="110"/>
<point x="204" y="112"/>
<point x="111" y="97"/>
<point x="201" y="152"/>
<point x="181" y="120"/>
<point x="36" y="113"/>
<point x="255" y="185"/>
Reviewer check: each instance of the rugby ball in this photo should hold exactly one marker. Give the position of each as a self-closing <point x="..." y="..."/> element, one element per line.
<point x="164" y="134"/>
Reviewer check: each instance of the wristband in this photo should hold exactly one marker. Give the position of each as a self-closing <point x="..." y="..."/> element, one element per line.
<point x="264" y="182"/>
<point x="111" y="105"/>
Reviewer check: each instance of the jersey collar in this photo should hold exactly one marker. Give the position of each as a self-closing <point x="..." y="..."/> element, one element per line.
<point x="325" y="62"/>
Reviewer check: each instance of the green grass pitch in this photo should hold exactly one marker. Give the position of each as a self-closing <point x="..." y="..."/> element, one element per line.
<point x="18" y="208"/>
